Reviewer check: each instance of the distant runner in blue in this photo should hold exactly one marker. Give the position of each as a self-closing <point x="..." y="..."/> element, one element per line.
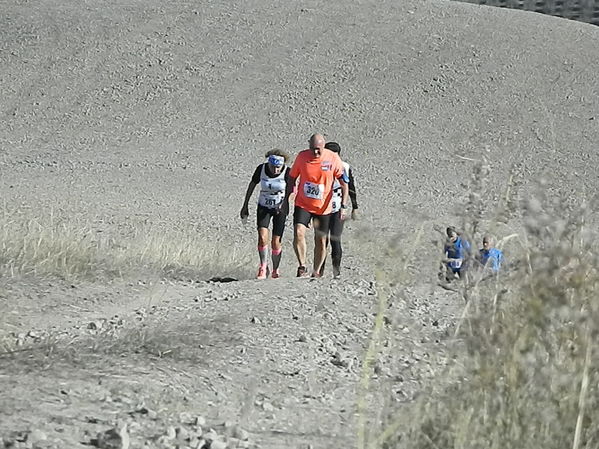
<point x="456" y="251"/>
<point x="489" y="256"/>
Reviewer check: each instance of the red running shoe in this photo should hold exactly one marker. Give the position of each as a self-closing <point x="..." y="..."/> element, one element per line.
<point x="262" y="272"/>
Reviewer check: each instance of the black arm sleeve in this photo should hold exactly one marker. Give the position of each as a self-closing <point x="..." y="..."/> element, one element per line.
<point x="352" y="190"/>
<point x="256" y="175"/>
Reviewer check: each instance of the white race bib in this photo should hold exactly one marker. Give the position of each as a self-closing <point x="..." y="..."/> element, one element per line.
<point x="455" y="264"/>
<point x="336" y="203"/>
<point x="270" y="200"/>
<point x="315" y="191"/>
<point x="272" y="190"/>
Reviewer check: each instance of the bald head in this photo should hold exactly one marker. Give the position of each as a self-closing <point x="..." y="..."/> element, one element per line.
<point x="317" y="143"/>
<point x="488" y="242"/>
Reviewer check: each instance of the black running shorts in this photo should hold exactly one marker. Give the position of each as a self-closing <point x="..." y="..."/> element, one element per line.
<point x="263" y="216"/>
<point x="302" y="216"/>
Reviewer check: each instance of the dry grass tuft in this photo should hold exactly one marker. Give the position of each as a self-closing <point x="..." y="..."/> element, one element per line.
<point x="62" y="247"/>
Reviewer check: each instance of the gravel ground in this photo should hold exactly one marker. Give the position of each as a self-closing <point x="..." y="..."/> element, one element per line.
<point x="123" y="115"/>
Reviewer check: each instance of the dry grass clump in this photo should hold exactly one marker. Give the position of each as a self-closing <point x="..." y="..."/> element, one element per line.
<point x="526" y="371"/>
<point x="46" y="245"/>
<point x="57" y="245"/>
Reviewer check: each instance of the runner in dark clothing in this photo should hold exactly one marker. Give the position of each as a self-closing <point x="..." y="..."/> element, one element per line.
<point x="456" y="252"/>
<point x="336" y="223"/>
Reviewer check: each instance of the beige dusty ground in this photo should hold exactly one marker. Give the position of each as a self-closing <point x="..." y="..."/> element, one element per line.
<point x="123" y="114"/>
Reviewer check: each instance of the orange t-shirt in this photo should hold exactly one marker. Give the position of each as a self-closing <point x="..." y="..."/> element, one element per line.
<point x="316" y="176"/>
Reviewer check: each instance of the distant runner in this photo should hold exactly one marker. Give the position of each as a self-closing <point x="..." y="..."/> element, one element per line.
<point x="456" y="250"/>
<point x="336" y="223"/>
<point x="489" y="256"/>
<point x="273" y="178"/>
<point x="316" y="168"/>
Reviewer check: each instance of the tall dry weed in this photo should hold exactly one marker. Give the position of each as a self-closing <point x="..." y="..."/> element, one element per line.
<point x="525" y="367"/>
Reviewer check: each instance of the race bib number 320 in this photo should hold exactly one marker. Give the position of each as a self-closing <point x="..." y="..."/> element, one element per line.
<point x="315" y="191"/>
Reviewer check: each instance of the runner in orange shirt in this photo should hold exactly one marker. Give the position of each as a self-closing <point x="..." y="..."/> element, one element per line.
<point x="316" y="168"/>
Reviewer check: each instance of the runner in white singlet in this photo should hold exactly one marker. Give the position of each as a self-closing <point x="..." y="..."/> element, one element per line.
<point x="272" y="177"/>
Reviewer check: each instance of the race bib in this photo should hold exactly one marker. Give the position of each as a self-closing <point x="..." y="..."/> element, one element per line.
<point x="455" y="264"/>
<point x="270" y="200"/>
<point x="315" y="191"/>
<point x="336" y="203"/>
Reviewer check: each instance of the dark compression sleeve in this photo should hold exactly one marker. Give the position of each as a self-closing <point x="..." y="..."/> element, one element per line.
<point x="256" y="175"/>
<point x="352" y="190"/>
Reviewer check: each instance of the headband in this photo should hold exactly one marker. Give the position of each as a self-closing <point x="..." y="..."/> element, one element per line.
<point x="276" y="161"/>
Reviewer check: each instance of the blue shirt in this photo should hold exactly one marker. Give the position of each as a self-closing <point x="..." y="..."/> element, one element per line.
<point x="492" y="258"/>
<point x="456" y="250"/>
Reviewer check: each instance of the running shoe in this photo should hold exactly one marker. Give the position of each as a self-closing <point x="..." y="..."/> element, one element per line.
<point x="336" y="272"/>
<point x="262" y="272"/>
<point x="275" y="274"/>
<point x="301" y="272"/>
<point x="316" y="274"/>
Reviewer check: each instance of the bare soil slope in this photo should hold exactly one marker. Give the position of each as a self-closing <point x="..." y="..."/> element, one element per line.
<point x="126" y="115"/>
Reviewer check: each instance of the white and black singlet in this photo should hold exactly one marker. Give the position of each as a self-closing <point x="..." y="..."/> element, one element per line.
<point x="272" y="194"/>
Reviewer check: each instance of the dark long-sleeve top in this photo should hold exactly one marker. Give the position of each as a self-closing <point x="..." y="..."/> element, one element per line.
<point x="352" y="189"/>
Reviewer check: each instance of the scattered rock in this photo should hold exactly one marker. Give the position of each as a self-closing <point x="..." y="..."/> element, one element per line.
<point x="240" y="433"/>
<point x="200" y="421"/>
<point x="116" y="321"/>
<point x="164" y="442"/>
<point x="267" y="406"/>
<point x="21" y="339"/>
<point x="170" y="433"/>
<point x="34" y="334"/>
<point x="186" y="418"/>
<point x="36" y="435"/>
<point x="115" y="438"/>
<point x="95" y="325"/>
<point x="218" y="445"/>
<point x="193" y="438"/>
<point x="255" y="320"/>
<point x="211" y="435"/>
<point x="182" y="433"/>
<point x="342" y="362"/>
<point x="233" y="442"/>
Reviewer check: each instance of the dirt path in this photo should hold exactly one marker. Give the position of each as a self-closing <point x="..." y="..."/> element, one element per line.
<point x="121" y="118"/>
<point x="254" y="354"/>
